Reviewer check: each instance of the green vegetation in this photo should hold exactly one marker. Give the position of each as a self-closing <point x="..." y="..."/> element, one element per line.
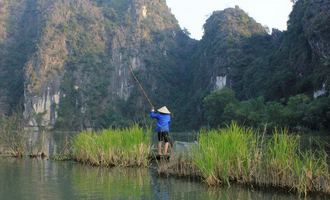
<point x="108" y="96"/>
<point x="226" y="154"/>
<point x="240" y="155"/>
<point x="15" y="53"/>
<point x="286" y="165"/>
<point x="84" y="57"/>
<point x="300" y="111"/>
<point x="17" y="142"/>
<point x="277" y="67"/>
<point x="113" y="147"/>
<point x="12" y="135"/>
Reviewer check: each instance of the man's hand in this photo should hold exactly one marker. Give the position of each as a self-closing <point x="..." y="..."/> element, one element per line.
<point x="152" y="109"/>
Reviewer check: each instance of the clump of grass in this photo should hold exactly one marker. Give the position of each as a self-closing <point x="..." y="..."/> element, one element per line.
<point x="225" y="155"/>
<point x="234" y="154"/>
<point x="286" y="165"/>
<point x="113" y="147"/>
<point x="281" y="150"/>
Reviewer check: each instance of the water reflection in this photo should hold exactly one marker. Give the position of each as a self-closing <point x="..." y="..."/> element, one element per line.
<point x="36" y="143"/>
<point x="98" y="183"/>
<point x="42" y="179"/>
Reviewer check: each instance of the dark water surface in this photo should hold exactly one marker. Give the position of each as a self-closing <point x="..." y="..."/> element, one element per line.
<point x="46" y="180"/>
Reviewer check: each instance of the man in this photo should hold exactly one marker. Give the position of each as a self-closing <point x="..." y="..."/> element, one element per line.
<point x="163" y="127"/>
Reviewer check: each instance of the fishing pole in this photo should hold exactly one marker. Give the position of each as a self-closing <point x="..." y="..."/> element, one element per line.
<point x="146" y="95"/>
<point x="142" y="89"/>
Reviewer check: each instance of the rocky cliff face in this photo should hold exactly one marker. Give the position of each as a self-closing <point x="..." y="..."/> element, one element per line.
<point x="227" y="48"/>
<point x="315" y="25"/>
<point x="19" y="28"/>
<point x="67" y="63"/>
<point x="238" y="53"/>
<point x="232" y="41"/>
<point x="77" y="70"/>
<point x="299" y="63"/>
<point x="309" y="22"/>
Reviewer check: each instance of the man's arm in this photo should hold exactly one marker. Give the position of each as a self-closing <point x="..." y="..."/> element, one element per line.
<point x="153" y="114"/>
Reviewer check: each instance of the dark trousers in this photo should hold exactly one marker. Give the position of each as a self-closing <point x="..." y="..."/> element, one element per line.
<point x="163" y="136"/>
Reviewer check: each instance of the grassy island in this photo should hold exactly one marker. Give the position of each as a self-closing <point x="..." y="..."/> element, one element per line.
<point x="236" y="154"/>
<point x="113" y="147"/>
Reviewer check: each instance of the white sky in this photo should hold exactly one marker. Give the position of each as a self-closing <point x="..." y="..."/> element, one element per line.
<point x="192" y="14"/>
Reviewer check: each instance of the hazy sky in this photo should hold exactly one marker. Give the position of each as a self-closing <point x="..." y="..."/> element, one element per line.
<point x="192" y="14"/>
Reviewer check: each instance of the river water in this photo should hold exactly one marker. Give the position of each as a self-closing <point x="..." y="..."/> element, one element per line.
<point x="36" y="179"/>
<point x="33" y="179"/>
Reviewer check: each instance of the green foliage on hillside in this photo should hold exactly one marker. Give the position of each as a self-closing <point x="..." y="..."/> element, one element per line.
<point x="235" y="46"/>
<point x="16" y="49"/>
<point x="273" y="76"/>
<point x="299" y="64"/>
<point x="215" y="104"/>
<point x="263" y="68"/>
<point x="100" y="68"/>
<point x="221" y="107"/>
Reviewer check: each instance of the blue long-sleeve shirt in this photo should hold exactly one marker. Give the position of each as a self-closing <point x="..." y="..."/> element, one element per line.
<point x="163" y="121"/>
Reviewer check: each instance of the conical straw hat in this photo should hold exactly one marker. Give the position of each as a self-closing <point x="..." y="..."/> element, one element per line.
<point x="164" y="110"/>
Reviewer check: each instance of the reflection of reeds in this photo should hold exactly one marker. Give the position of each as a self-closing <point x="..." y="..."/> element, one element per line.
<point x="65" y="151"/>
<point x="118" y="183"/>
<point x="234" y="154"/>
<point x="113" y="147"/>
<point x="39" y="148"/>
<point x="12" y="135"/>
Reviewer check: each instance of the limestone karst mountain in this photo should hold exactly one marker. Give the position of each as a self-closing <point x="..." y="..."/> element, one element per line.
<point x="66" y="63"/>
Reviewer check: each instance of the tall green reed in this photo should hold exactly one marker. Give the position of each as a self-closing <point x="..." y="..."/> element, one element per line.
<point x="226" y="154"/>
<point x="113" y="147"/>
<point x="233" y="154"/>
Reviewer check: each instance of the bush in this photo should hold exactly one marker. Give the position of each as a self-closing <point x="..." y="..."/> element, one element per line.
<point x="221" y="107"/>
<point x="215" y="105"/>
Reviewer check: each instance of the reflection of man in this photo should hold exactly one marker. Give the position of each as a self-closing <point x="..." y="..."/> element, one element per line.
<point x="163" y="127"/>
